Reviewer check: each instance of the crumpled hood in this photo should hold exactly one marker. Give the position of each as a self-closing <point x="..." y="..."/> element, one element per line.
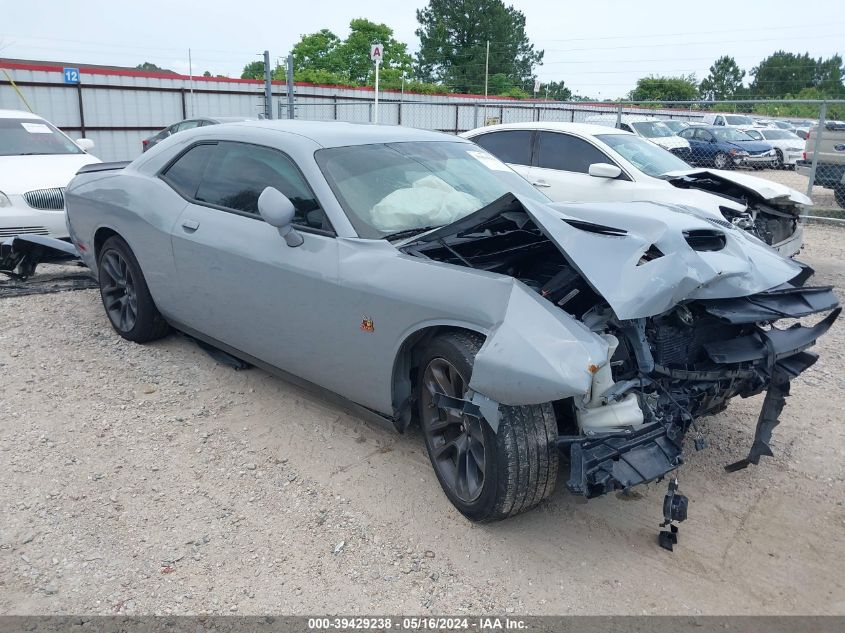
<point x="19" y="174"/>
<point x="773" y="192"/>
<point x="612" y="263"/>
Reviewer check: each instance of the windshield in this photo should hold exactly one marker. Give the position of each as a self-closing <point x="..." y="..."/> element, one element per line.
<point x="652" y="129"/>
<point x="394" y="187"/>
<point x="778" y="135"/>
<point x="675" y="126"/>
<point x="20" y="137"/>
<point x="645" y="156"/>
<point x="730" y="134"/>
<point x="738" y="119"/>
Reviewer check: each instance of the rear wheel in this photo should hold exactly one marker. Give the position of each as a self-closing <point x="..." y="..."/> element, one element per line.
<point x="125" y="295"/>
<point x="486" y="475"/>
<point x="721" y="161"/>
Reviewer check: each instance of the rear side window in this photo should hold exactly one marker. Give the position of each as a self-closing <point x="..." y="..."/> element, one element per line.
<point x="186" y="173"/>
<point x="567" y="153"/>
<point x="238" y="172"/>
<point x="509" y="146"/>
<point x="687" y="133"/>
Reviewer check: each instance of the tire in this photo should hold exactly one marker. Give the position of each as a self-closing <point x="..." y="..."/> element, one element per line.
<point x="839" y="194"/>
<point x="778" y="164"/>
<point x="126" y="297"/>
<point x="721" y="161"/>
<point x="520" y="459"/>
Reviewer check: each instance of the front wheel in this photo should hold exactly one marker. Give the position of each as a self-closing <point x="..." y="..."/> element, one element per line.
<point x="126" y="297"/>
<point x="721" y="161"/>
<point x="778" y="164"/>
<point x="486" y="475"/>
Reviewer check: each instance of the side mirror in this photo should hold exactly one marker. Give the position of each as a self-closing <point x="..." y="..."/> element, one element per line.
<point x="85" y="144"/>
<point x="604" y="170"/>
<point x="277" y="210"/>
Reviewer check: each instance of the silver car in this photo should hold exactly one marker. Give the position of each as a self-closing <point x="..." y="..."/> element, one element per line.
<point x="418" y="279"/>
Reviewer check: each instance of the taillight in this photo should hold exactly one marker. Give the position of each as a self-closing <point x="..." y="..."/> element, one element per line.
<point x="805" y="155"/>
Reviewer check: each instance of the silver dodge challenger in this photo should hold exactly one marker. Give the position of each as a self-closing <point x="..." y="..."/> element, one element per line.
<point x="418" y="279"/>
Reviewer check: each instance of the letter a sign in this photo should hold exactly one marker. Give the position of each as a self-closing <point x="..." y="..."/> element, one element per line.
<point x="376" y="51"/>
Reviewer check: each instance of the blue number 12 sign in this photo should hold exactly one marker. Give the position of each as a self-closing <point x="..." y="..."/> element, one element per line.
<point x="71" y="75"/>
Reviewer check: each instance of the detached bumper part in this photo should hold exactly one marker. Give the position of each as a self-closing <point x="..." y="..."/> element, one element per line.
<point x="21" y="254"/>
<point x="614" y="462"/>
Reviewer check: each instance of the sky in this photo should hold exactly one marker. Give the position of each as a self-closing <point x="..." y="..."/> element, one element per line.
<point x="599" y="48"/>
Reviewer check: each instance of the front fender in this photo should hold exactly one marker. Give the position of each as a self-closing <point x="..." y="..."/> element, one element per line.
<point x="537" y="353"/>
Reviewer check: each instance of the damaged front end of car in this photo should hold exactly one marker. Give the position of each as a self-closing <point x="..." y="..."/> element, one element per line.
<point x="691" y="314"/>
<point x="769" y="211"/>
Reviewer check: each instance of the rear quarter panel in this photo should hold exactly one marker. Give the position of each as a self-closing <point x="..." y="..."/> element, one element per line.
<point x="139" y="208"/>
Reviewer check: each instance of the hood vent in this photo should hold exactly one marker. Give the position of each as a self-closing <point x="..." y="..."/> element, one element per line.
<point x="705" y="239"/>
<point x="598" y="229"/>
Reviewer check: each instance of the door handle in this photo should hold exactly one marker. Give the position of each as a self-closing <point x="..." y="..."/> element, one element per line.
<point x="541" y="183"/>
<point x="190" y="225"/>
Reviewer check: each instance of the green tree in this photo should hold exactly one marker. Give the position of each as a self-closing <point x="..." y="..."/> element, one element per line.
<point x="323" y="54"/>
<point x="453" y="44"/>
<point x="149" y="66"/>
<point x="555" y="90"/>
<point x="828" y="77"/>
<point x="782" y="73"/>
<point x="253" y="70"/>
<point x="657" y="88"/>
<point x="318" y="52"/>
<point x="724" y="80"/>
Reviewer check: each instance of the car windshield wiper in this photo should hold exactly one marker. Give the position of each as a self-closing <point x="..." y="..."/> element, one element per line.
<point x="35" y="154"/>
<point x="398" y="235"/>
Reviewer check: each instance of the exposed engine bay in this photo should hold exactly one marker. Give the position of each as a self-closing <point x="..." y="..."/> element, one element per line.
<point x="664" y="371"/>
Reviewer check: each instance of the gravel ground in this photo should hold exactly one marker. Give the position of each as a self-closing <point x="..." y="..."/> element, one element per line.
<point x="148" y="479"/>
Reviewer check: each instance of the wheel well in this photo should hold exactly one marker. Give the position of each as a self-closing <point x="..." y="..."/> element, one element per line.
<point x="405" y="370"/>
<point x="100" y="238"/>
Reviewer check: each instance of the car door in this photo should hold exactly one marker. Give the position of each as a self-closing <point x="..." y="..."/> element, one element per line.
<point x="700" y="148"/>
<point x="240" y="283"/>
<point x="562" y="164"/>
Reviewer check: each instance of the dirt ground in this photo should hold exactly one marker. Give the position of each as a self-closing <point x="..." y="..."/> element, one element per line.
<point x="149" y="479"/>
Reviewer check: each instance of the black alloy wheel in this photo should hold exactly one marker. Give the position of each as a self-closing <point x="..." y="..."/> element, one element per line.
<point x="118" y="289"/>
<point x="456" y="440"/>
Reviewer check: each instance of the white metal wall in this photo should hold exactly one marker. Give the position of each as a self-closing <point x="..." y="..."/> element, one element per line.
<point x="135" y="107"/>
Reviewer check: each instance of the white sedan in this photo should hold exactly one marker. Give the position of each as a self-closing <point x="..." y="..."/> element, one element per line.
<point x="37" y="161"/>
<point x="577" y="162"/>
<point x="788" y="145"/>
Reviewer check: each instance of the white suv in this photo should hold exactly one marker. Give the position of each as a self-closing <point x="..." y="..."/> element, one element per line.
<point x="728" y="120"/>
<point x="37" y="161"/>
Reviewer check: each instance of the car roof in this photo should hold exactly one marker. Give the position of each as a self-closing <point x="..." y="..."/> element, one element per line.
<point x="585" y="129"/>
<point x="227" y="119"/>
<point x="341" y="134"/>
<point x="18" y="114"/>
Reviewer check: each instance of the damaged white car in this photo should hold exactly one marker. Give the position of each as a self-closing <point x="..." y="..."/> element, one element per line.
<point x="577" y="162"/>
<point x="419" y="279"/>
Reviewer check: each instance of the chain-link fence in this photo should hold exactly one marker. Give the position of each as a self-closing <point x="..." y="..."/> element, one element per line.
<point x="795" y="151"/>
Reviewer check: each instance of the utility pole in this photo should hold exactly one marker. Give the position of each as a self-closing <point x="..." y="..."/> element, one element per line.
<point x="191" y="80"/>
<point x="268" y="87"/>
<point x="486" y="74"/>
<point x="291" y="113"/>
<point x="376" y="53"/>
